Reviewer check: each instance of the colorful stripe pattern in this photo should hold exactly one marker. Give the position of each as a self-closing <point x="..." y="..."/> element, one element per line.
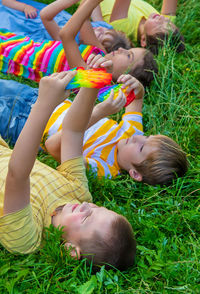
<point x="91" y="78"/>
<point x="104" y="93"/>
<point x="22" y="56"/>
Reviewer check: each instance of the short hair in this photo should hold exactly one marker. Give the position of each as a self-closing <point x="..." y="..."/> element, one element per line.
<point x="145" y="70"/>
<point x="118" y="249"/>
<point x="120" y="41"/>
<point x="164" y="165"/>
<point x="175" y="39"/>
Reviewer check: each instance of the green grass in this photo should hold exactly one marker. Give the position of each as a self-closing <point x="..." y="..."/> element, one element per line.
<point x="166" y="220"/>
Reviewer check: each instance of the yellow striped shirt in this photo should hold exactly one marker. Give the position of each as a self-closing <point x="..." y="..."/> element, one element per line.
<point x="101" y="139"/>
<point x="21" y="232"/>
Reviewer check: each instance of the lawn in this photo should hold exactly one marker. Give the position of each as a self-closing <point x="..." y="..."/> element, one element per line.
<point x="166" y="220"/>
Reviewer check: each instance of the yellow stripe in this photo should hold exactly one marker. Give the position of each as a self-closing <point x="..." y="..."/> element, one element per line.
<point x="55" y="116"/>
<point x="58" y="60"/>
<point x="102" y="130"/>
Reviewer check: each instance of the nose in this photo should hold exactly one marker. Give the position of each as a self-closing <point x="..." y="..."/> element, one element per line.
<point x="121" y="50"/>
<point x="163" y="19"/>
<point x="84" y="206"/>
<point x="138" y="138"/>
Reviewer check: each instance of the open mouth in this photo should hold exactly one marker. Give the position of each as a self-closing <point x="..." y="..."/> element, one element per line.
<point x="155" y="15"/>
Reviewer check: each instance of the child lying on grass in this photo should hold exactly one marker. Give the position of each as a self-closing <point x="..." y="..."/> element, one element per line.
<point x="33" y="60"/>
<point x="109" y="39"/>
<point x="33" y="195"/>
<point x="109" y="147"/>
<point x="141" y="22"/>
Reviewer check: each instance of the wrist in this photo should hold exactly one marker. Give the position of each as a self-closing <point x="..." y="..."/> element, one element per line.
<point x="43" y="106"/>
<point x="101" y="110"/>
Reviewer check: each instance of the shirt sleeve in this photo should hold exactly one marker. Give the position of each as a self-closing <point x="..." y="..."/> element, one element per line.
<point x="99" y="166"/>
<point x="96" y="24"/>
<point x="19" y="233"/>
<point x="74" y="171"/>
<point x="135" y="120"/>
<point x="171" y="17"/>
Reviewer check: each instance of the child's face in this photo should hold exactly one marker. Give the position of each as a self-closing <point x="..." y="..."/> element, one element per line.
<point x="82" y="220"/>
<point x="104" y="34"/>
<point x="124" y="60"/>
<point x="157" y="23"/>
<point x="135" y="150"/>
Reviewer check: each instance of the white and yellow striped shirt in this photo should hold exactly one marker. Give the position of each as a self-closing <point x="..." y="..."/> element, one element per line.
<point x="101" y="139"/>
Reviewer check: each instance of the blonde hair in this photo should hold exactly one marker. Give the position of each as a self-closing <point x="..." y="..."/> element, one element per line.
<point x="167" y="163"/>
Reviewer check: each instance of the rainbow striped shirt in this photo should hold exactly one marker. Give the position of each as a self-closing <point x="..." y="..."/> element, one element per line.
<point x="22" y="56"/>
<point x="101" y="139"/>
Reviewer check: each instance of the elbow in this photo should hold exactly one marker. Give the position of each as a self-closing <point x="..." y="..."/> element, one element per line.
<point x="53" y="148"/>
<point x="43" y="15"/>
<point x="65" y="34"/>
<point x="62" y="33"/>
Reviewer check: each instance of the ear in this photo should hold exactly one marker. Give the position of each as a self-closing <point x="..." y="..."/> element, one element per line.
<point x="143" y="41"/>
<point x="75" y="251"/>
<point x="135" y="175"/>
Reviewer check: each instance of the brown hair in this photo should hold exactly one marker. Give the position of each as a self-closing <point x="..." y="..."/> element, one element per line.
<point x="120" y="41"/>
<point x="174" y="38"/>
<point x="163" y="166"/>
<point x="117" y="250"/>
<point x="145" y="70"/>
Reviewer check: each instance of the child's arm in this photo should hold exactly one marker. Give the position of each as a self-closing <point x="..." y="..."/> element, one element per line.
<point x="101" y="110"/>
<point x="169" y="7"/>
<point x="51" y="93"/>
<point x="120" y="9"/>
<point x="96" y="14"/>
<point x="134" y="84"/>
<point x="72" y="128"/>
<point x="48" y="13"/>
<point x="29" y="10"/>
<point x="70" y="30"/>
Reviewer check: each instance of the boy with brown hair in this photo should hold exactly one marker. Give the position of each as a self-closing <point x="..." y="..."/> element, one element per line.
<point x="110" y="147"/>
<point x="36" y="195"/>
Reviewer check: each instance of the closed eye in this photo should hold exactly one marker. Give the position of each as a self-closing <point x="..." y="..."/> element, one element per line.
<point x="86" y="217"/>
<point x="141" y="148"/>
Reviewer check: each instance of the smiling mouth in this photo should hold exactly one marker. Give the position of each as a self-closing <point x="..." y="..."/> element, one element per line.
<point x="74" y="207"/>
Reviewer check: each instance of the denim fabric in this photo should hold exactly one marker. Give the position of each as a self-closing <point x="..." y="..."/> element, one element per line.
<point x="16" y="22"/>
<point x="16" y="101"/>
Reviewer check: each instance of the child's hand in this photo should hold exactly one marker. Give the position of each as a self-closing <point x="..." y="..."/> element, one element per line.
<point x="30" y="11"/>
<point x="52" y="88"/>
<point x="96" y="61"/>
<point x="132" y="84"/>
<point x="112" y="106"/>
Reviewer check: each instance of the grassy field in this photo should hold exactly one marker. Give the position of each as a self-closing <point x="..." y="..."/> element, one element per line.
<point x="166" y="220"/>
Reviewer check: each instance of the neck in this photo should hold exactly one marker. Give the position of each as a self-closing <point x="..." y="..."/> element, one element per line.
<point x="141" y="28"/>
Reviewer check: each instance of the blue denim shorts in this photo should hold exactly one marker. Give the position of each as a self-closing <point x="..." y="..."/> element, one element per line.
<point x="16" y="101"/>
